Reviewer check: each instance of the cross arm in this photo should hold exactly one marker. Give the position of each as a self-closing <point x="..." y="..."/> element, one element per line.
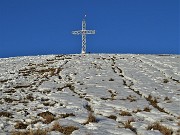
<point x="90" y="32"/>
<point x="78" y="32"/>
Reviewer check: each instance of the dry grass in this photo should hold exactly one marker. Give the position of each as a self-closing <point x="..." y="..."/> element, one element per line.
<point x="166" y="98"/>
<point x="112" y="117"/>
<point x="157" y="126"/>
<point x="32" y="70"/>
<point x="48" y="116"/>
<point x="91" y="118"/>
<point x="88" y="99"/>
<point x="66" y="115"/>
<point x="131" y="98"/>
<point x="31" y="132"/>
<point x="111" y="79"/>
<point x="147" y="109"/>
<point x="127" y="124"/>
<point x="88" y="107"/>
<point x="65" y="130"/>
<point x="137" y="110"/>
<point x="20" y="125"/>
<point x="3" y="81"/>
<point x="51" y="71"/>
<point x="113" y="94"/>
<point x="165" y="80"/>
<point x="105" y="98"/>
<point x="153" y="102"/>
<point x="8" y="100"/>
<point x="125" y="113"/>
<point x="10" y="91"/>
<point x="30" y="97"/>
<point x="5" y="114"/>
<point x="71" y="87"/>
<point x="21" y="86"/>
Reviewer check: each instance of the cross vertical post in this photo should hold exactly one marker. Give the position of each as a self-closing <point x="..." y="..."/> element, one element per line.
<point x="83" y="32"/>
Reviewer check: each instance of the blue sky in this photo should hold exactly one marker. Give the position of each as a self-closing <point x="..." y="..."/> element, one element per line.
<point x="36" y="27"/>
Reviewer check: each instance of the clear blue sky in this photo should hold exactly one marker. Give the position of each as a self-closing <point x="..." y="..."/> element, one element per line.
<point x="36" y="27"/>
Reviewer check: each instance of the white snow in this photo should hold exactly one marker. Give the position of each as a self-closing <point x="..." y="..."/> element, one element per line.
<point x="126" y="93"/>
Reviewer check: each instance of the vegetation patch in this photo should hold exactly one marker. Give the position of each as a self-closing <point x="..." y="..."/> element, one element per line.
<point x="112" y="94"/>
<point x="105" y="98"/>
<point x="30" y="97"/>
<point x="147" y="109"/>
<point x="157" y="126"/>
<point x="91" y="118"/>
<point x="112" y="117"/>
<point x="48" y="116"/>
<point x="65" y="130"/>
<point x="31" y="132"/>
<point x="166" y="98"/>
<point x="88" y="107"/>
<point x="20" y="125"/>
<point x="66" y="115"/>
<point x="131" y="98"/>
<point x="71" y="87"/>
<point x="137" y="110"/>
<point x="111" y="79"/>
<point x="128" y="125"/>
<point x="165" y="80"/>
<point x="125" y="113"/>
<point x="153" y="102"/>
<point x="3" y="81"/>
<point x="10" y="91"/>
<point x="5" y="114"/>
<point x="8" y="100"/>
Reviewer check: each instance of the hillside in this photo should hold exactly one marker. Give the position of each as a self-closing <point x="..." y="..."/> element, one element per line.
<point x="92" y="94"/>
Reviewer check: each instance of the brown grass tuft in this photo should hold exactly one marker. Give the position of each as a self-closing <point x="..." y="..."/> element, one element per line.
<point x="112" y="117"/>
<point x="48" y="116"/>
<point x="31" y="132"/>
<point x="147" y="109"/>
<point x="5" y="114"/>
<point x="153" y="102"/>
<point x="67" y="115"/>
<point x="127" y="124"/>
<point x="137" y="110"/>
<point x="65" y="130"/>
<point x="30" y="97"/>
<point x="131" y="98"/>
<point x="71" y="87"/>
<point x="8" y="100"/>
<point x="88" y="107"/>
<point x="111" y="79"/>
<point x="91" y="118"/>
<point x="165" y="80"/>
<point x="20" y="125"/>
<point x="125" y="113"/>
<point x="166" y="98"/>
<point x="157" y="126"/>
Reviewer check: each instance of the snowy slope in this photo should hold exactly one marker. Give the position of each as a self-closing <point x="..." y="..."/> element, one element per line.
<point x="90" y="94"/>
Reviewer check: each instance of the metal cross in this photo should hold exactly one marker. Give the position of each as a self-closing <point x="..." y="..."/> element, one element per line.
<point x="83" y="32"/>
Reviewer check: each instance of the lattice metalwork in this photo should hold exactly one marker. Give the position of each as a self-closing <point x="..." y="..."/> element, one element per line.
<point x="83" y="32"/>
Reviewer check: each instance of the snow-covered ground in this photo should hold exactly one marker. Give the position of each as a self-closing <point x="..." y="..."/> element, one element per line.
<point x="92" y="94"/>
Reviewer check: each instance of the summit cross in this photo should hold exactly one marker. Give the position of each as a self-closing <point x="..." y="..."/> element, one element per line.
<point x="83" y="32"/>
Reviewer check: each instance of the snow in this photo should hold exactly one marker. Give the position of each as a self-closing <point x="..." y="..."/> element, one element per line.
<point x="146" y="88"/>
